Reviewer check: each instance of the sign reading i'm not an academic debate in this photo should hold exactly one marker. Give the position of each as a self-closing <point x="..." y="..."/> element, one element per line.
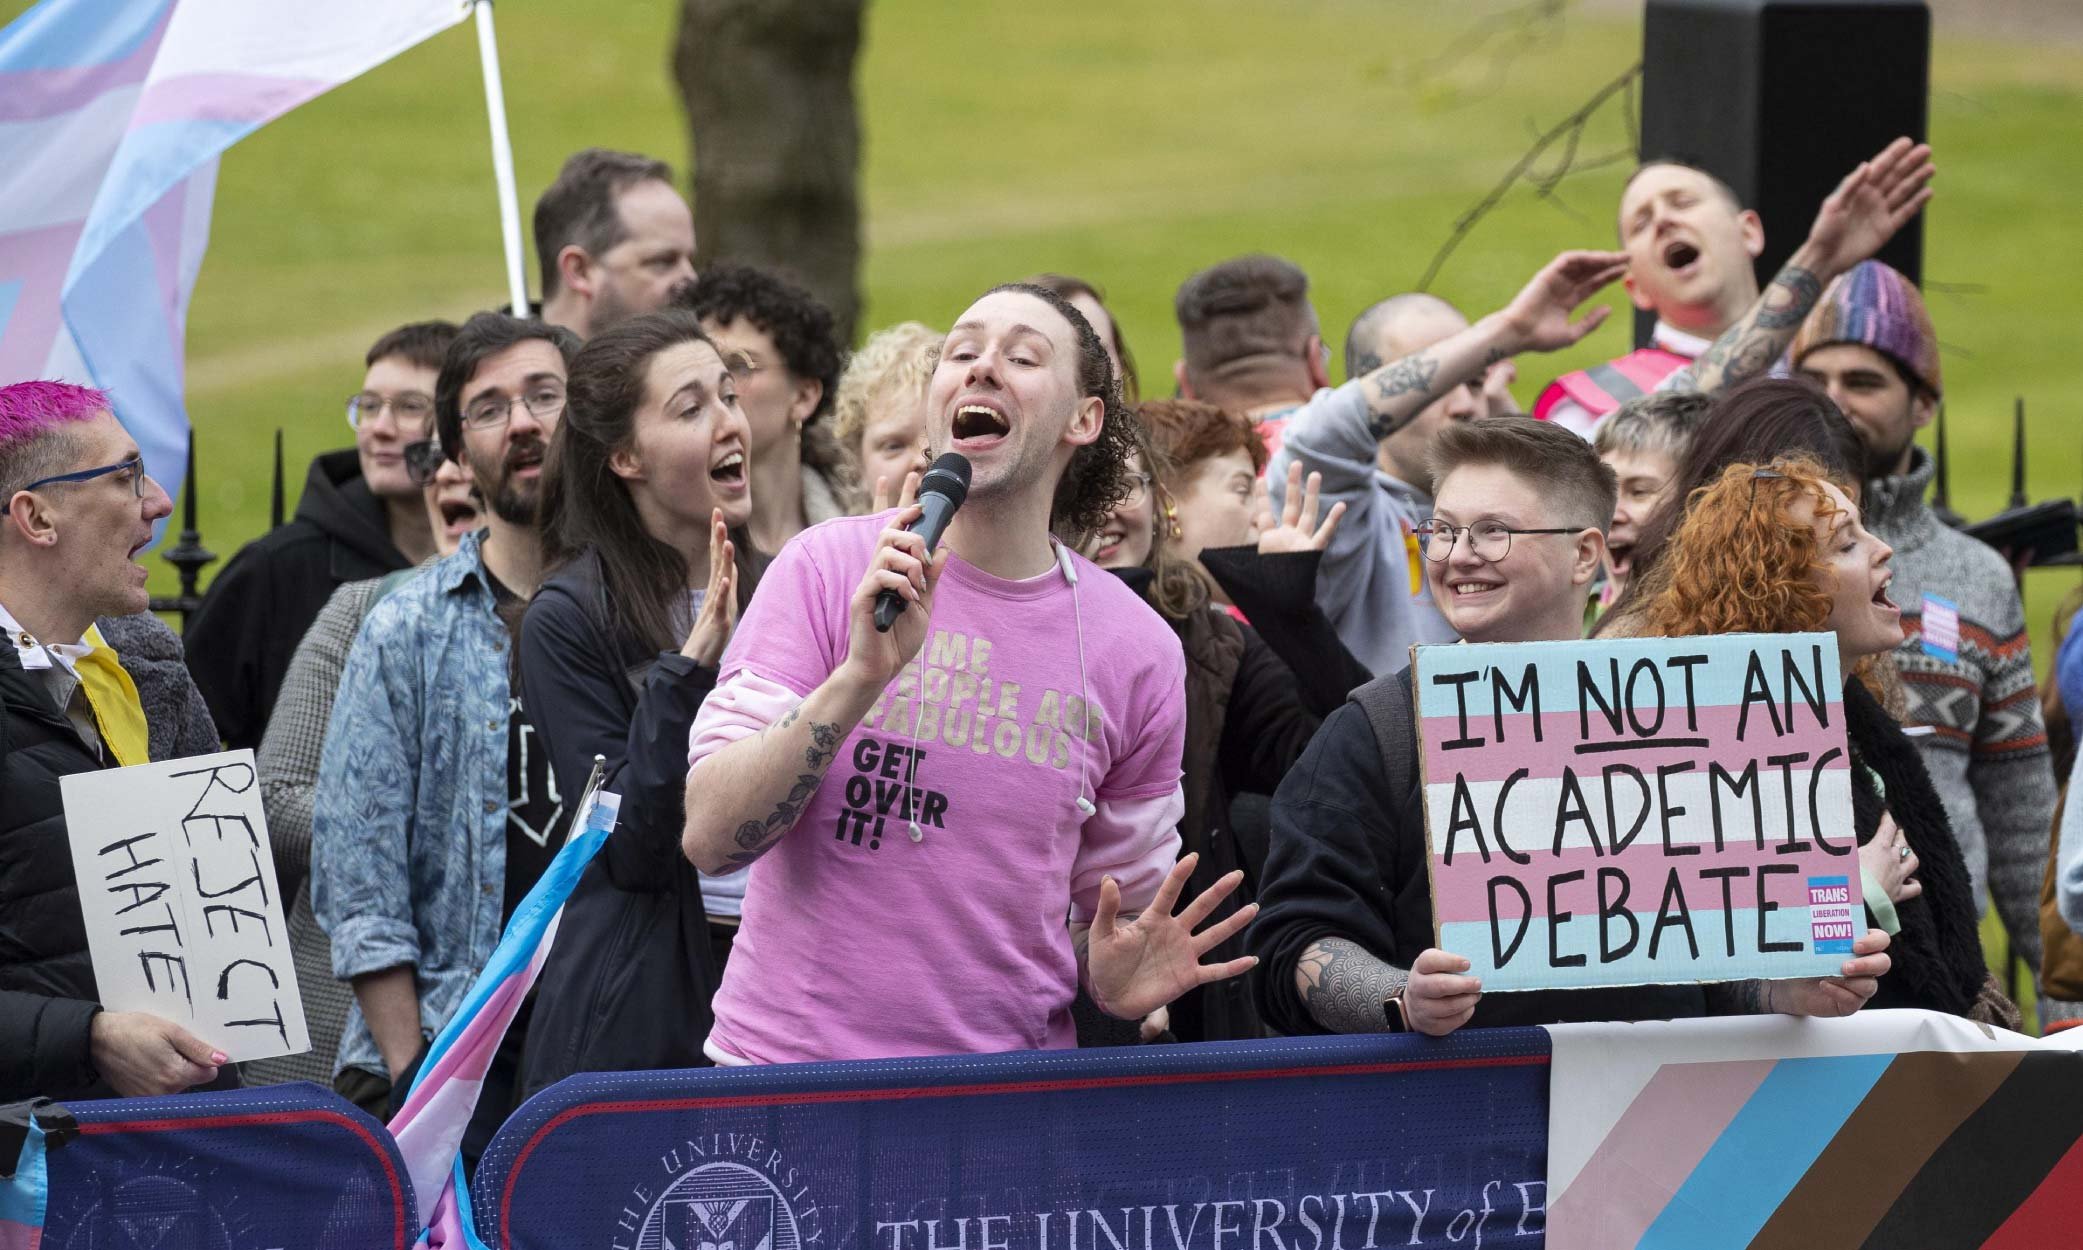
<point x="177" y="886"/>
<point x="1639" y="811"/>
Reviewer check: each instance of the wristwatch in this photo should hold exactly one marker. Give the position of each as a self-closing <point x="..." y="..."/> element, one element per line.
<point x="1392" y="1011"/>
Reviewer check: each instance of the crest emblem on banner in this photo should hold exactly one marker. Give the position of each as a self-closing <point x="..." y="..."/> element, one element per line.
<point x="720" y="1206"/>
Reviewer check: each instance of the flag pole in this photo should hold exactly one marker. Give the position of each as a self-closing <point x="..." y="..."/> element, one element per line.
<point x="502" y="160"/>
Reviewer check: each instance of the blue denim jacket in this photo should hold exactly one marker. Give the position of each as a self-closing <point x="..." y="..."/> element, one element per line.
<point x="408" y="825"/>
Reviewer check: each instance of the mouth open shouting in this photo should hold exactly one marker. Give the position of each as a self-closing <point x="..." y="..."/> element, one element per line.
<point x="978" y="425"/>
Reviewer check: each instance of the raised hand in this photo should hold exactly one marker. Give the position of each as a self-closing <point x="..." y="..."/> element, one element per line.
<point x="1539" y="315"/>
<point x="1839" y="995"/>
<point x="719" y="614"/>
<point x="882" y="500"/>
<point x="1296" y="528"/>
<point x="1873" y="202"/>
<point x="899" y="563"/>
<point x="1135" y="966"/>
<point x="1497" y="391"/>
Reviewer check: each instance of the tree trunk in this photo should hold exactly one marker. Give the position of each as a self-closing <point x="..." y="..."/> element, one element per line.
<point x="768" y="86"/>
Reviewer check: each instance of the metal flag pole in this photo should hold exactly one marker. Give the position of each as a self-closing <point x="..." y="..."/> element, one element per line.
<point x="502" y="160"/>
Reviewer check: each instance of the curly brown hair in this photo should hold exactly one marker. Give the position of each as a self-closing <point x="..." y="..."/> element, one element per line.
<point x="1098" y="477"/>
<point x="1739" y="563"/>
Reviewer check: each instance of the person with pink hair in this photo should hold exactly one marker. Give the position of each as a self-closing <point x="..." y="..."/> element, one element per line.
<point x="78" y="507"/>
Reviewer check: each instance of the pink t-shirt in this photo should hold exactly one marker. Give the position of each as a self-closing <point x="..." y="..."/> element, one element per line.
<point x="859" y="942"/>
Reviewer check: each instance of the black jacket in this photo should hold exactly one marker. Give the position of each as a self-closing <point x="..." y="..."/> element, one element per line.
<point x="628" y="984"/>
<point x="1348" y="860"/>
<point x="258" y="607"/>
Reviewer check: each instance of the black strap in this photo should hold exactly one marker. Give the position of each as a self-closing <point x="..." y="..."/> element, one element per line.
<point x="1388" y="704"/>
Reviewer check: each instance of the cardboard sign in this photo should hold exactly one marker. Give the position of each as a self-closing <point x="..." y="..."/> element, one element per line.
<point x="177" y="883"/>
<point x="1639" y="811"/>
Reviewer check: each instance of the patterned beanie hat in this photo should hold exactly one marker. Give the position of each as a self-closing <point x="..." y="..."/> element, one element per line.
<point x="1875" y="306"/>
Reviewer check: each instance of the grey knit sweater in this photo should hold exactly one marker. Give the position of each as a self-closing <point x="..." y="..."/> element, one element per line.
<point x="1987" y="752"/>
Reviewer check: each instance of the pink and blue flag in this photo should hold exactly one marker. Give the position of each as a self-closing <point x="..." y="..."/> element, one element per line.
<point x="429" y="1128"/>
<point x="112" y="116"/>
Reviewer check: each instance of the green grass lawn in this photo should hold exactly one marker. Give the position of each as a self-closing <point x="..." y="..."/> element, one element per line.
<point x="1127" y="143"/>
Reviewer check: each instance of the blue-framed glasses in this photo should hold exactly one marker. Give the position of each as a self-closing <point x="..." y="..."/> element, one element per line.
<point x="135" y="465"/>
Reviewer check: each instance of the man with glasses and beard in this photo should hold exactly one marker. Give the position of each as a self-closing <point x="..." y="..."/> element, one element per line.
<point x="360" y="516"/>
<point x="430" y="742"/>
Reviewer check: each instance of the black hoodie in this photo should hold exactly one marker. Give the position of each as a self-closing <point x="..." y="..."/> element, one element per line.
<point x="257" y="609"/>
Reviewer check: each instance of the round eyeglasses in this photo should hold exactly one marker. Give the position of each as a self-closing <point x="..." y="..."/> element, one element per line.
<point x="410" y="408"/>
<point x="1491" y="541"/>
<point x="543" y="402"/>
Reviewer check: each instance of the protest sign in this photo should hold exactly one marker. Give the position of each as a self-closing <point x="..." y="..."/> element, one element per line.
<point x="177" y="885"/>
<point x="1639" y="811"/>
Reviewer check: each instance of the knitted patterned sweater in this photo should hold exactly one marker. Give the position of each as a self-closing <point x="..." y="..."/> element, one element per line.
<point x="1987" y="752"/>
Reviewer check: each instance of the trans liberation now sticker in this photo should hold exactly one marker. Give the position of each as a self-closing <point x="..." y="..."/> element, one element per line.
<point x="1830" y="914"/>
<point x="1941" y="629"/>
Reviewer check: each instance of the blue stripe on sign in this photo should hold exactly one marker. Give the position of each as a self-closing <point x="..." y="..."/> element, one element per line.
<point x="1764" y="1152"/>
<point x="1674" y="962"/>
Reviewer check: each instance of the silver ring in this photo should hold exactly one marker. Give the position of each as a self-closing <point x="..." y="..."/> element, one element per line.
<point x="1902" y="852"/>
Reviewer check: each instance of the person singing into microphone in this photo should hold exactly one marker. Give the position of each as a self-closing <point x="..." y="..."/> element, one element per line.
<point x="923" y="808"/>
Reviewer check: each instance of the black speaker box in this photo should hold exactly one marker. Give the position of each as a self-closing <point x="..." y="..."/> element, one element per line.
<point x="1781" y="98"/>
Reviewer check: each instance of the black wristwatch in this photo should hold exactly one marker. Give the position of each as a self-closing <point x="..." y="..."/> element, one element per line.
<point x="1392" y="1011"/>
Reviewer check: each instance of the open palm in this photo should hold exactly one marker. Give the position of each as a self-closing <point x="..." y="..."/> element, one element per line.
<point x="1872" y="203"/>
<point x="1137" y="965"/>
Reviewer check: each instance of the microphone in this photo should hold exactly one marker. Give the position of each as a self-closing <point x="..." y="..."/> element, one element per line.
<point x="942" y="491"/>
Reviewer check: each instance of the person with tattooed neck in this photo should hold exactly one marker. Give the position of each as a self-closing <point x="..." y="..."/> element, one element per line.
<point x="1691" y="248"/>
<point x="1345" y="935"/>
<point x="923" y="808"/>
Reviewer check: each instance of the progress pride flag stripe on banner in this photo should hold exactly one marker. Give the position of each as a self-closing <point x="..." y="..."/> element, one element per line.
<point x="1638" y="811"/>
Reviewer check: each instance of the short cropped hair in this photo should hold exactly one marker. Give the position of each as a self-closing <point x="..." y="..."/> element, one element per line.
<point x="1563" y="465"/>
<point x="800" y="325"/>
<point x="581" y="208"/>
<point x="1184" y="432"/>
<point x="1661" y="423"/>
<point x="901" y="358"/>
<point x="423" y="343"/>
<point x="1251" y="306"/>
<point x="32" y="418"/>
<point x="482" y="337"/>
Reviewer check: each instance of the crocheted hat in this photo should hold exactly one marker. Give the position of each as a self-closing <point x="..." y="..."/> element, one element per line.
<point x="1875" y="306"/>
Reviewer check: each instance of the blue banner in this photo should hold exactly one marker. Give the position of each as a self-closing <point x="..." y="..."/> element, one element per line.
<point x="1300" y="1144"/>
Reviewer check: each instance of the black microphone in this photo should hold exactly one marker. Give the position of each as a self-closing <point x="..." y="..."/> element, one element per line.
<point x="942" y="491"/>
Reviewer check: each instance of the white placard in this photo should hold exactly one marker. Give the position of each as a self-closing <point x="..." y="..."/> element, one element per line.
<point x="177" y="883"/>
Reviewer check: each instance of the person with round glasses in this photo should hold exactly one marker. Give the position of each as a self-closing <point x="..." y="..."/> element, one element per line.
<point x="360" y="516"/>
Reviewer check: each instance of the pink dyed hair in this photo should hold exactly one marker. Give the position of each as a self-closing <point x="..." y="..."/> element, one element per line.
<point x="31" y="408"/>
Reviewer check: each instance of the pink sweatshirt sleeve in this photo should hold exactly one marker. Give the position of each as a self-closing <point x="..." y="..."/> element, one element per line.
<point x="742" y="706"/>
<point x="1136" y="842"/>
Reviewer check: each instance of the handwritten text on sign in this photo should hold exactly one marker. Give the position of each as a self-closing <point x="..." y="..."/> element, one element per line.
<point x="177" y="883"/>
<point x="1639" y="811"/>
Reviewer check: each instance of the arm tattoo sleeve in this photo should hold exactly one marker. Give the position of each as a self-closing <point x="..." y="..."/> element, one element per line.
<point x="1404" y="384"/>
<point x="1344" y="987"/>
<point x="756" y="837"/>
<point x="1749" y="347"/>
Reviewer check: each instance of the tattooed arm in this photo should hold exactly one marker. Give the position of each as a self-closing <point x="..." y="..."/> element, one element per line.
<point x="745" y="796"/>
<point x="1537" y="319"/>
<point x="1346" y="989"/>
<point x="1857" y="220"/>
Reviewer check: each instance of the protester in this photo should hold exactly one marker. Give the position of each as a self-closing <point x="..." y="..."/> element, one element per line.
<point x="79" y="508"/>
<point x="1251" y="341"/>
<point x="614" y="240"/>
<point x="436" y="807"/>
<point x="1021" y="766"/>
<point x="1345" y="940"/>
<point x="360" y="516"/>
<point x="645" y="503"/>
<point x="784" y="346"/>
<point x="1372" y="587"/>
<point x="1691" y="246"/>
<point x="1749" y="425"/>
<point x="1248" y="713"/>
<point x="1086" y="298"/>
<point x="1966" y="658"/>
<point x="879" y="415"/>
<point x="289" y="755"/>
<point x="1643" y="443"/>
<point x="1795" y="542"/>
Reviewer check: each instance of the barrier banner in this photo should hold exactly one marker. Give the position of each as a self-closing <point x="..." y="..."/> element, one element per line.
<point x="1639" y="811"/>
<point x="1890" y="1130"/>
<point x="1320" y="1144"/>
<point x="289" y="1166"/>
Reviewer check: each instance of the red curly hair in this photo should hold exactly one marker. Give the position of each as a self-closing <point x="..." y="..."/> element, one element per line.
<point x="1740" y="563"/>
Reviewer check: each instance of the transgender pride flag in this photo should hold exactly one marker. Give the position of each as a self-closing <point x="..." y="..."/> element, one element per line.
<point x="429" y="1128"/>
<point x="112" y="116"/>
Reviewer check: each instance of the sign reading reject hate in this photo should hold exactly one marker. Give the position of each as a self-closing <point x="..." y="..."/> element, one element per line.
<point x="1639" y="811"/>
<point x="177" y="884"/>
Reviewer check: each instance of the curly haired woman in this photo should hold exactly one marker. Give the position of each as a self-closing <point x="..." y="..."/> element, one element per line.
<point x="1780" y="549"/>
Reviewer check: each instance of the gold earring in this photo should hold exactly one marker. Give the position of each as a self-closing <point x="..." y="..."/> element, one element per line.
<point x="1171" y="519"/>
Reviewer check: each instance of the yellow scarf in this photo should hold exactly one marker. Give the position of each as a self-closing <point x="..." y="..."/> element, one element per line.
<point x="118" y="713"/>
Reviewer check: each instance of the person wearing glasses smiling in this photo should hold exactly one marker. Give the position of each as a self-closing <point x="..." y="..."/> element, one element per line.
<point x="1345" y="935"/>
<point x="360" y="516"/>
<point x="436" y="807"/>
